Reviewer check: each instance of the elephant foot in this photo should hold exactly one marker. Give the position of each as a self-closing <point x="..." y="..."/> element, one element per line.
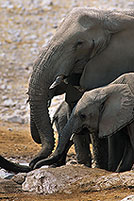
<point x="54" y="160"/>
<point x="58" y="164"/>
<point x="37" y="162"/>
<point x="87" y="162"/>
<point x="44" y="153"/>
<point x="62" y="160"/>
<point x="34" y="161"/>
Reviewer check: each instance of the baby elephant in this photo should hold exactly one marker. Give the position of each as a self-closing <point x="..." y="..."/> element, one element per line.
<point x="81" y="141"/>
<point x="106" y="112"/>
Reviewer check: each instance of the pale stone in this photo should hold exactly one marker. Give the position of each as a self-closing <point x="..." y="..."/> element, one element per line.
<point x="71" y="177"/>
<point x="128" y="198"/>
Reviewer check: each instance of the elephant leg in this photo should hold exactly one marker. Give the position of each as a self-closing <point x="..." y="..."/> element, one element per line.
<point x="120" y="156"/>
<point x="128" y="156"/>
<point x="130" y="129"/>
<point x="127" y="160"/>
<point x="62" y="160"/>
<point x="81" y="144"/>
<point x="60" y="119"/>
<point x="61" y="116"/>
<point x="100" y="151"/>
<point x="116" y="147"/>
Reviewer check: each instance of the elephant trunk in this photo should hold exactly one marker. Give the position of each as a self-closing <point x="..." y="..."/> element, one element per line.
<point x="64" y="139"/>
<point x="41" y="79"/>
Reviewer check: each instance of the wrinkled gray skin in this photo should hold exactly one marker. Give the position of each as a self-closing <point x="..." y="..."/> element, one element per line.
<point x="60" y="119"/>
<point x="61" y="116"/>
<point x="98" y="45"/>
<point x="106" y="112"/>
<point x="81" y="141"/>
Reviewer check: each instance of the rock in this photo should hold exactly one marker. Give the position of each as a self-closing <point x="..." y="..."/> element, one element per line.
<point x="16" y="119"/>
<point x="3" y="86"/>
<point x="128" y="198"/>
<point x="46" y="4"/>
<point x="67" y="179"/>
<point x="72" y="161"/>
<point x="19" y="178"/>
<point x="5" y="175"/>
<point x="32" y="37"/>
<point x="7" y="4"/>
<point x="4" y="97"/>
<point x="115" y="180"/>
<point x="34" y="51"/>
<point x="9" y="103"/>
<point x="10" y="129"/>
<point x="131" y="5"/>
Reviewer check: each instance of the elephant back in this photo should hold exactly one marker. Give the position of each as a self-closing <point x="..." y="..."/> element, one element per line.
<point x="127" y="78"/>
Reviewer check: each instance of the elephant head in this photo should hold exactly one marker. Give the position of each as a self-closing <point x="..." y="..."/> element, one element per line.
<point x="83" y="35"/>
<point x="104" y="111"/>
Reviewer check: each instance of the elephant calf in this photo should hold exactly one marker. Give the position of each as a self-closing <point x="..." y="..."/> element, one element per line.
<point x="106" y="112"/>
<point x="81" y="141"/>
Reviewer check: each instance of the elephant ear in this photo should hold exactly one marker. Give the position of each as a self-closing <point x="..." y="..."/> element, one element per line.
<point x="118" y="109"/>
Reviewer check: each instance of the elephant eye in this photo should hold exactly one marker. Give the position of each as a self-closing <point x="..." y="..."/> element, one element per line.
<point x="83" y="116"/>
<point x="78" y="44"/>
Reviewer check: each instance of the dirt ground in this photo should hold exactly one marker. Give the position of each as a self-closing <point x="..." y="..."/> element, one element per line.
<point x="19" y="145"/>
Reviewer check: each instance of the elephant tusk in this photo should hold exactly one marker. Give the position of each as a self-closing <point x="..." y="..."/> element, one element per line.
<point x="65" y="81"/>
<point x="57" y="81"/>
<point x="71" y="138"/>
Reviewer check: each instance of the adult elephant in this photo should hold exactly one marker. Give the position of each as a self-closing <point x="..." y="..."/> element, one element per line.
<point x="105" y="111"/>
<point x="96" y="45"/>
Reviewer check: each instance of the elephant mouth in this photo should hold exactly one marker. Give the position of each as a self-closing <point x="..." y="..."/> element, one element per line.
<point x="73" y="77"/>
<point x="82" y="130"/>
<point x="79" y="65"/>
<point x="92" y="131"/>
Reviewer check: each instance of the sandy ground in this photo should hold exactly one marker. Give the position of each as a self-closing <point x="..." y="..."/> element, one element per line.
<point x="16" y="142"/>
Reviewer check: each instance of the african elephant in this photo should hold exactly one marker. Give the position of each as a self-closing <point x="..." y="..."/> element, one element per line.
<point x="96" y="45"/>
<point x="106" y="112"/>
<point x="81" y="141"/>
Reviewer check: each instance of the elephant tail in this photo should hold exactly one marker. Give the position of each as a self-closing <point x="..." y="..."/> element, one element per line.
<point x="13" y="167"/>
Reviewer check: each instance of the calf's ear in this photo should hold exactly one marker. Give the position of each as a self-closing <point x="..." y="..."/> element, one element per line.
<point x="118" y="109"/>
